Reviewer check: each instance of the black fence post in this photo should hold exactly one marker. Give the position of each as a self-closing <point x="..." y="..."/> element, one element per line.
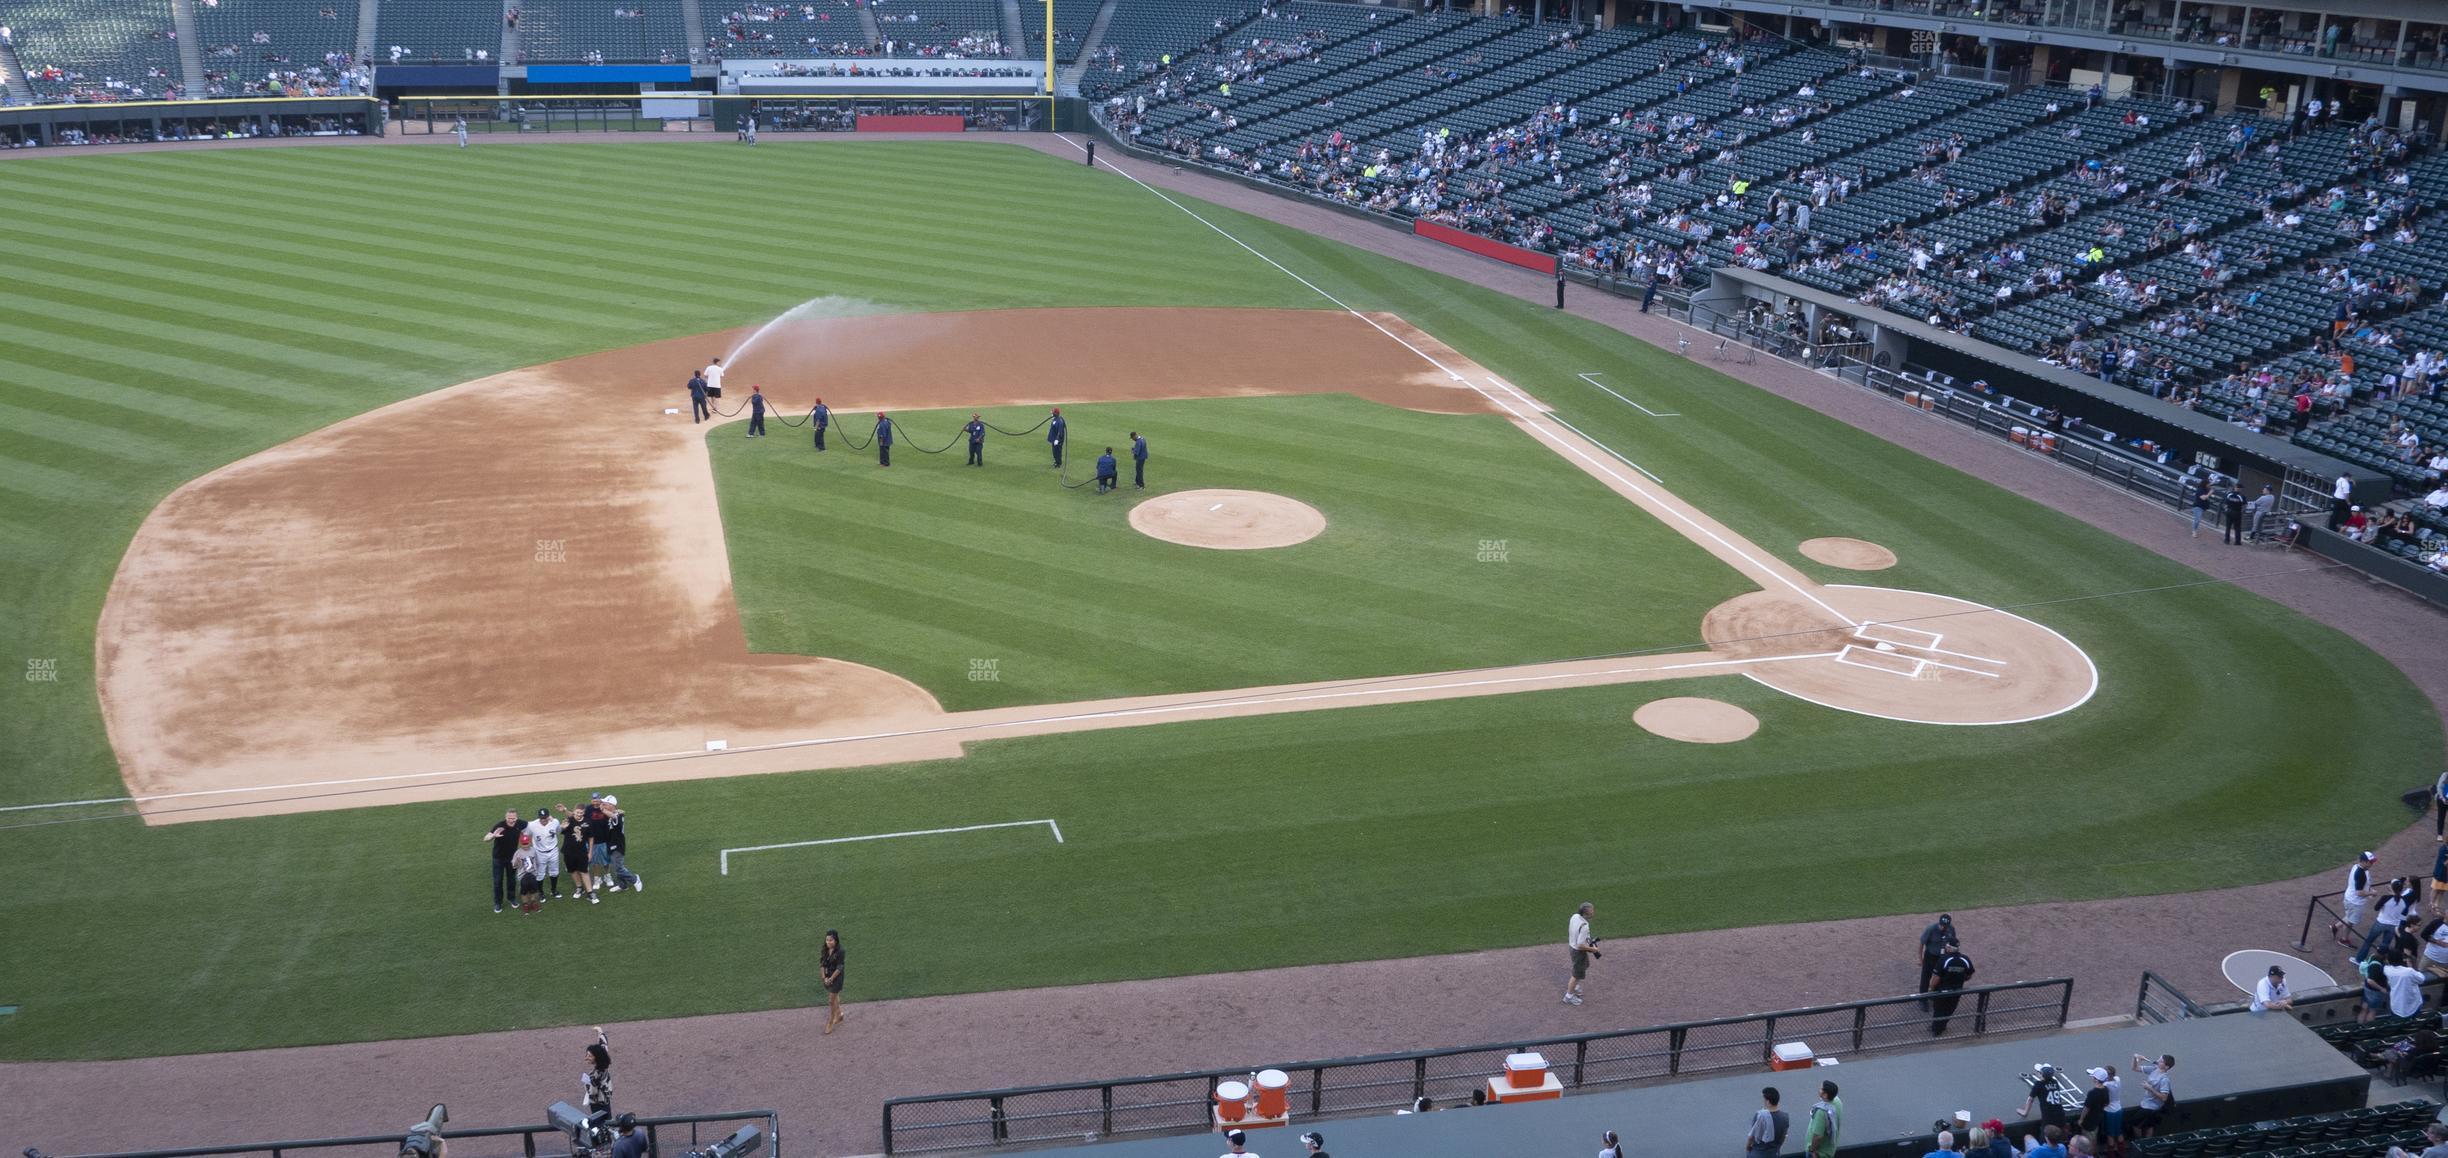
<point x="1317" y="1090"/>
<point x="888" y="1138"/>
<point x="1419" y="1078"/>
<point x="527" y="1140"/>
<point x="1980" y="1015"/>
<point x="1768" y="1043"/>
<point x="1674" y="1050"/>
<point x="1105" y="1127"/>
<point x="2304" y="942"/>
<point x="1001" y="1131"/>
<point x="1580" y="1062"/>
<point x="1861" y="1025"/>
<point x="2065" y="1002"/>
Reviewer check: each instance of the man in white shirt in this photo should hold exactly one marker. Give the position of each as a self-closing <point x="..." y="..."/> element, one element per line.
<point x="2350" y="902"/>
<point x="2405" y="989"/>
<point x="546" y="832"/>
<point x="2272" y="993"/>
<point x="2395" y="907"/>
<point x="713" y="376"/>
<point x="1583" y="946"/>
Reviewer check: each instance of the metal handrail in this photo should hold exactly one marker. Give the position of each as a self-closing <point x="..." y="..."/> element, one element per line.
<point x="772" y="1120"/>
<point x="1570" y="1059"/>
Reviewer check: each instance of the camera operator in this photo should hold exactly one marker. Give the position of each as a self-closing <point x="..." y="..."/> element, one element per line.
<point x="1584" y="947"/>
<point x="632" y="1143"/>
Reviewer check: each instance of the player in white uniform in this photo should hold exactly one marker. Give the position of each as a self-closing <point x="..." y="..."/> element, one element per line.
<point x="546" y="832"/>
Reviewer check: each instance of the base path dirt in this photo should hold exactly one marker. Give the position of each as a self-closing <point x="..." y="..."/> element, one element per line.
<point x="1850" y="554"/>
<point x="1696" y="721"/>
<point x="1228" y="520"/>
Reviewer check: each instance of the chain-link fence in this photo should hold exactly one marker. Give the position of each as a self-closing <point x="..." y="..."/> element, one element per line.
<point x="1185" y="1103"/>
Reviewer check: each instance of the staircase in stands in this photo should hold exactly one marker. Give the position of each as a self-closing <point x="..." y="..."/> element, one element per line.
<point x="1067" y="81"/>
<point x="12" y="73"/>
<point x="369" y="12"/>
<point x="509" y="49"/>
<point x="692" y="22"/>
<point x="190" y="50"/>
<point x="868" y="26"/>
<point x="1015" y="40"/>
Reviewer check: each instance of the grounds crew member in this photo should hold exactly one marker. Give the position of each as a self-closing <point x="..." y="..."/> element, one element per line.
<point x="1138" y="462"/>
<point x="976" y="430"/>
<point x="713" y="376"/>
<point x="1109" y="474"/>
<point x="1953" y="970"/>
<point x="883" y="439"/>
<point x="756" y="412"/>
<point x="1934" y="942"/>
<point x="1055" y="430"/>
<point x="820" y="417"/>
<point x="697" y="398"/>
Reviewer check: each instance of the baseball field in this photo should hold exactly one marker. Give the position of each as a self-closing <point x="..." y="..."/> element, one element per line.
<point x="351" y="497"/>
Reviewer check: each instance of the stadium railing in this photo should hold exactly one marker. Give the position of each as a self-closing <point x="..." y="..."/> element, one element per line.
<point x="2161" y="1002"/>
<point x="692" y="112"/>
<point x="663" y="1135"/>
<point x="1074" y="1112"/>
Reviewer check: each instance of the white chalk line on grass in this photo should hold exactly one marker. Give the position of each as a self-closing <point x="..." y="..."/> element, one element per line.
<point x="1381" y="686"/>
<point x="726" y="853"/>
<point x="1592" y="379"/>
<point x="1525" y="419"/>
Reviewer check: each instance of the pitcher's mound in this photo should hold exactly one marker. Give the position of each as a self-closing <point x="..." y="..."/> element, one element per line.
<point x="1227" y="520"/>
<point x="1850" y="554"/>
<point x="1697" y="721"/>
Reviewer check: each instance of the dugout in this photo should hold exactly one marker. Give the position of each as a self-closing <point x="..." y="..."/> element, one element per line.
<point x="127" y="122"/>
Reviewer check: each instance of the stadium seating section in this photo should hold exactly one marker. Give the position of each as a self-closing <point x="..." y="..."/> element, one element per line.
<point x="2192" y="252"/>
<point x="613" y="31"/>
<point x="95" y="49"/>
<point x="440" y="31"/>
<point x="1072" y="20"/>
<point x="936" y="27"/>
<point x="246" y="39"/>
<point x="2365" y="1133"/>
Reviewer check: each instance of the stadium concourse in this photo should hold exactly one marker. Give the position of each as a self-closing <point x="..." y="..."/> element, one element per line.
<point x="986" y="1040"/>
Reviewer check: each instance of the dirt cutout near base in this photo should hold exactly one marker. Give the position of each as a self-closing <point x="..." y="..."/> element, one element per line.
<point x="1694" y="720"/>
<point x="1227" y="520"/>
<point x="1850" y="554"/>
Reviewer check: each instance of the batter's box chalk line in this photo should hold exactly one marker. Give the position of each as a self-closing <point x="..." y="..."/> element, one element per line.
<point x="1899" y="635"/>
<point x="727" y="853"/>
<point x="1881" y="661"/>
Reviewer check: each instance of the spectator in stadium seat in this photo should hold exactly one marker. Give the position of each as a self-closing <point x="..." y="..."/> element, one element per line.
<point x="1609" y="1146"/>
<point x="2050" y="1143"/>
<point x="2405" y="988"/>
<point x="2437" y="1134"/>
<point x="1819" y="1134"/>
<point x="1238" y="1145"/>
<point x="2271" y="992"/>
<point x="1946" y="1146"/>
<point x="1769" y="1125"/>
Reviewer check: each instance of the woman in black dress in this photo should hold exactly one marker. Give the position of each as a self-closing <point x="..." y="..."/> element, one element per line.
<point x="829" y="967"/>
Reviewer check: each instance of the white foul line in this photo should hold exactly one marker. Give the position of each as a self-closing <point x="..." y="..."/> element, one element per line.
<point x="1525" y="419"/>
<point x="1592" y="379"/>
<point x="1381" y="686"/>
<point x="726" y="853"/>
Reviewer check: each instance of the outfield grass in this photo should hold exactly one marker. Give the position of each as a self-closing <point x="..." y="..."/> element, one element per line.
<point x="921" y="569"/>
<point x="185" y="309"/>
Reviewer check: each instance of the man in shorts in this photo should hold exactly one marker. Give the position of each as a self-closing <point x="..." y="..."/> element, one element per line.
<point x="574" y="854"/>
<point x="1583" y="946"/>
<point x="2351" y="902"/>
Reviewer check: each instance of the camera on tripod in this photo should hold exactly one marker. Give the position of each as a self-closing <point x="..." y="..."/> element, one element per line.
<point x="425" y="1139"/>
<point x="588" y="1134"/>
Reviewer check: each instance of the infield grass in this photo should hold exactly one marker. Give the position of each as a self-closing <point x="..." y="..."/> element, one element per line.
<point x="1451" y="542"/>
<point x="181" y="310"/>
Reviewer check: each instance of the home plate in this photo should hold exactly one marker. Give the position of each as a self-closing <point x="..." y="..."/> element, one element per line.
<point x="1886" y="647"/>
<point x="1217" y="507"/>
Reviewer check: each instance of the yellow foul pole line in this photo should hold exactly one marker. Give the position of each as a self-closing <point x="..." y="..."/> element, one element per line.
<point x="1049" y="79"/>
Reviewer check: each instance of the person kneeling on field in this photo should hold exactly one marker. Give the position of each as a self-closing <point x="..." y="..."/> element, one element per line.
<point x="1109" y="472"/>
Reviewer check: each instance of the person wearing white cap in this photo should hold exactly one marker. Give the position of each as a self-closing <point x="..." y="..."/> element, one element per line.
<point x="2093" y="1123"/>
<point x="616" y="844"/>
<point x="1238" y="1141"/>
<point x="2350" y="902"/>
<point x="1316" y="1143"/>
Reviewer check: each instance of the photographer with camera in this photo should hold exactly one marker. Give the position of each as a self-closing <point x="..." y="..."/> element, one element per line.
<point x="425" y="1139"/>
<point x="632" y="1143"/>
<point x="1584" y="949"/>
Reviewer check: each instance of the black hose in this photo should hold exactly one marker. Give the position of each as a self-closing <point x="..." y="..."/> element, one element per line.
<point x="852" y="441"/>
<point x="731" y="413"/>
<point x="956" y="438"/>
<point x="1016" y="433"/>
